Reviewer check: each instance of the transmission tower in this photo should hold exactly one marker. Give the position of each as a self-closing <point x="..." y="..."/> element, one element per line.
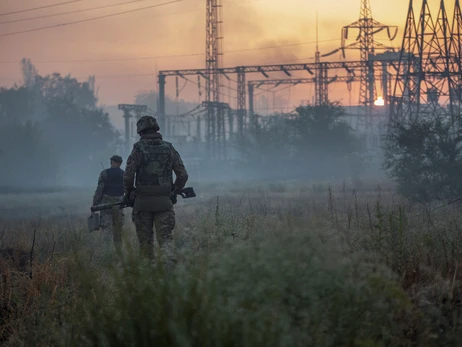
<point x="455" y="52"/>
<point x="321" y="85"/>
<point x="367" y="45"/>
<point x="428" y="80"/>
<point x="215" y="130"/>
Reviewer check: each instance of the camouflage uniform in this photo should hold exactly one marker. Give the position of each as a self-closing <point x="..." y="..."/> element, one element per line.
<point x="152" y="160"/>
<point x="110" y="190"/>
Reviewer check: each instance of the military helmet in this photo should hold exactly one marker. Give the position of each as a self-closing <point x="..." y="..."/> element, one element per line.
<point x="147" y="122"/>
<point x="116" y="158"/>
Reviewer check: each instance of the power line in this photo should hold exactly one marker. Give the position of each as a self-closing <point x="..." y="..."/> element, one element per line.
<point x="96" y="76"/>
<point x="106" y="6"/>
<point x="276" y="108"/>
<point x="70" y="12"/>
<point x="220" y="93"/>
<point x="170" y="56"/>
<point x="39" y="8"/>
<point x="279" y="46"/>
<point x="90" y="19"/>
<point x="107" y="60"/>
<point x="271" y="90"/>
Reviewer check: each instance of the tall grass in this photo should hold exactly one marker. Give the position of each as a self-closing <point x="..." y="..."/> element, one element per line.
<point x="265" y="266"/>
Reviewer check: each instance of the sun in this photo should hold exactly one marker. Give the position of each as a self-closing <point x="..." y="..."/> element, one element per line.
<point x="379" y="101"/>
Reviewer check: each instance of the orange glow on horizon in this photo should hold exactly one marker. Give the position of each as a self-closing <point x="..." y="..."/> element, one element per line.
<point x="106" y="48"/>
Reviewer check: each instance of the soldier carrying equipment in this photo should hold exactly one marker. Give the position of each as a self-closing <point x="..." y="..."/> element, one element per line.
<point x="110" y="190"/>
<point x="149" y="170"/>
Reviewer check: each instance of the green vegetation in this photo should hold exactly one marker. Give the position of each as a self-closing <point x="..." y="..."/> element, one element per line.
<point x="52" y="133"/>
<point x="423" y="156"/>
<point x="277" y="265"/>
<point x="288" y="145"/>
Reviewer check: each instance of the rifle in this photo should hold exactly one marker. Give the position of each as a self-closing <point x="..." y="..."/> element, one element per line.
<point x="449" y="203"/>
<point x="185" y="193"/>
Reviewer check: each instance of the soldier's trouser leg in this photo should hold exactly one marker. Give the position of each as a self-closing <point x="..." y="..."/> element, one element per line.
<point x="117" y="221"/>
<point x="106" y="220"/>
<point x="109" y="219"/>
<point x="165" y="223"/>
<point x="106" y="226"/>
<point x="144" y="222"/>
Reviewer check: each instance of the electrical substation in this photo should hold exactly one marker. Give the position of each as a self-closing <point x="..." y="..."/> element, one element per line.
<point x="417" y="73"/>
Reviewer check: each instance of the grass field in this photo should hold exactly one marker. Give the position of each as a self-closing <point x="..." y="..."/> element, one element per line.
<point x="274" y="264"/>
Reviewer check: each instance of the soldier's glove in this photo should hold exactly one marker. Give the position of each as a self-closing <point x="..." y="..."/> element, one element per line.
<point x="128" y="198"/>
<point x="173" y="195"/>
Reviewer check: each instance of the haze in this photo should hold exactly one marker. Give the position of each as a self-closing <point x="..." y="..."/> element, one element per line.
<point x="175" y="29"/>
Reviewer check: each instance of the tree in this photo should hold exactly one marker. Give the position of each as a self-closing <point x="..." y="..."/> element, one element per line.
<point x="313" y="141"/>
<point x="29" y="73"/>
<point x="27" y="160"/>
<point x="424" y="157"/>
<point x="82" y="134"/>
<point x="150" y="99"/>
<point x="55" y="86"/>
<point x="322" y="129"/>
<point x="266" y="146"/>
<point x="15" y="104"/>
<point x="55" y="126"/>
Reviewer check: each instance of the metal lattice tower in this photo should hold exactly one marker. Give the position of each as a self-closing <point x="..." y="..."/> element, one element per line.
<point x="321" y="85"/>
<point x="317" y="60"/>
<point x="428" y="80"/>
<point x="241" y="101"/>
<point x="456" y="63"/>
<point x="367" y="45"/>
<point x="215" y="136"/>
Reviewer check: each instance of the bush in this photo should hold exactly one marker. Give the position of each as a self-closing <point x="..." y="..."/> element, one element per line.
<point x="275" y="290"/>
<point x="423" y="156"/>
<point x="313" y="142"/>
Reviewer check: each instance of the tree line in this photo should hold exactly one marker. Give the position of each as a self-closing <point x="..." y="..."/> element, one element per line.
<point x="52" y="133"/>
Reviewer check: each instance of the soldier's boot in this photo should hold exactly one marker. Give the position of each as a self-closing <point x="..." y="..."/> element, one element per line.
<point x="165" y="222"/>
<point x="105" y="237"/>
<point x="147" y="250"/>
<point x="168" y="257"/>
<point x="118" y="247"/>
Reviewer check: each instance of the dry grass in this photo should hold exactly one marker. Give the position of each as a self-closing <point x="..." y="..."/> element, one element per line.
<point x="310" y="256"/>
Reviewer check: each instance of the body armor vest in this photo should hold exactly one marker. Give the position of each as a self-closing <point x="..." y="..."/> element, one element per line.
<point x="156" y="165"/>
<point x="114" y="184"/>
<point x="154" y="178"/>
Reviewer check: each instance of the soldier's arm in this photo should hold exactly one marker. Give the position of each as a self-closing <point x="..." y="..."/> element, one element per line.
<point x="99" y="189"/>
<point x="133" y="162"/>
<point x="180" y="170"/>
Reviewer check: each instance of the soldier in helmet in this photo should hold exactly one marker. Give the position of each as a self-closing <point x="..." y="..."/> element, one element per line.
<point x="111" y="190"/>
<point x="149" y="168"/>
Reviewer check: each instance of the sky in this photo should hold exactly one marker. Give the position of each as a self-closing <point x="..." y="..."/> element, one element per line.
<point x="125" y="51"/>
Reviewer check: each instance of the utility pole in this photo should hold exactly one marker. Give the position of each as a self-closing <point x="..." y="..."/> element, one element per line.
<point x="126" y="108"/>
<point x="241" y="101"/>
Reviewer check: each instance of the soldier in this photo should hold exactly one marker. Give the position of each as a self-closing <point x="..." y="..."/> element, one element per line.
<point x="110" y="190"/>
<point x="153" y="160"/>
